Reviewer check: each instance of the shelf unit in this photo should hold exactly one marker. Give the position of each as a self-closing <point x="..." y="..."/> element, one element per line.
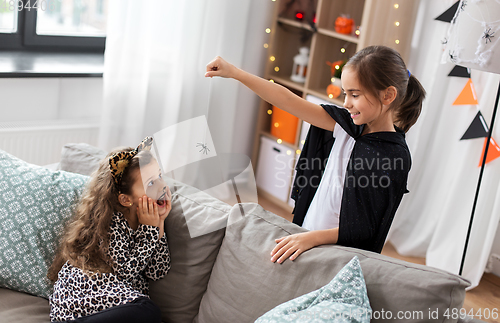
<point x="377" y="21"/>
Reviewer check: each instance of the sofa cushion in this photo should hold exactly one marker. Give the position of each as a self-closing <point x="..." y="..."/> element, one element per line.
<point x="80" y="158"/>
<point x="342" y="299"/>
<point x="179" y="293"/>
<point x="34" y="205"/>
<point x="245" y="284"/>
<point x="20" y="307"/>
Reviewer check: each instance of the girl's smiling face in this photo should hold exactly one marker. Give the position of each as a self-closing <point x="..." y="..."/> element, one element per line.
<point x="364" y="107"/>
<point x="360" y="104"/>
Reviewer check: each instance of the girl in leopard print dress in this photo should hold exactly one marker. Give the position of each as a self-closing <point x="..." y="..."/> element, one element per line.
<point x="114" y="243"/>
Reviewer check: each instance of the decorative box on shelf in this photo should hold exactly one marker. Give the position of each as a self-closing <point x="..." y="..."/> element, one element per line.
<point x="284" y="125"/>
<point x="274" y="168"/>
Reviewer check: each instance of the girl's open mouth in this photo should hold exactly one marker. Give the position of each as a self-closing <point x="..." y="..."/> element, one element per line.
<point x="161" y="200"/>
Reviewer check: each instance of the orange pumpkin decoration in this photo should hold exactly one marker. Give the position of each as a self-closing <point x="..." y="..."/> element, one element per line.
<point x="333" y="69"/>
<point x="333" y="91"/>
<point x="344" y="25"/>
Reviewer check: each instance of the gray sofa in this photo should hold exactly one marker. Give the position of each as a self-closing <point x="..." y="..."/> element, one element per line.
<point x="226" y="274"/>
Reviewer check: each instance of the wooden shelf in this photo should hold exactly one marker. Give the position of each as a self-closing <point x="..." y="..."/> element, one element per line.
<point x="295" y="24"/>
<point x="286" y="42"/>
<point x="334" y="34"/>
<point x="287" y="9"/>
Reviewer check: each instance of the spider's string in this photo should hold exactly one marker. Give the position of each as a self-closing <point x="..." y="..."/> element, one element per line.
<point x="208" y="111"/>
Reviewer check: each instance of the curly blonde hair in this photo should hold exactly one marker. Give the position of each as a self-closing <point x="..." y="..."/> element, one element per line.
<point x="85" y="241"/>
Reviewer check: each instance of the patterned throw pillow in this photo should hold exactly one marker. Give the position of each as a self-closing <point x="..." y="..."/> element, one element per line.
<point x="344" y="299"/>
<point x="34" y="205"/>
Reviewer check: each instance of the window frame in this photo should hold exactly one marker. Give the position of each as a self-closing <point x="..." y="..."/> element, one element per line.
<point x="25" y="38"/>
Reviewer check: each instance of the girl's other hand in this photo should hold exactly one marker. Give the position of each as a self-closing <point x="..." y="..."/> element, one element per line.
<point x="221" y="68"/>
<point x="147" y="212"/>
<point x="292" y="246"/>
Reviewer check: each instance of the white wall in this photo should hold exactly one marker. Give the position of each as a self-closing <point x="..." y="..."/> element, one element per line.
<point x="31" y="99"/>
<point x="38" y="116"/>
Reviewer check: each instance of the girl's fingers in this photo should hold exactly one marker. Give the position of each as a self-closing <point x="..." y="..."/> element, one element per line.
<point x="295" y="254"/>
<point x="211" y="68"/>
<point x="155" y="209"/>
<point x="287" y="254"/>
<point x="214" y="64"/>
<point x="145" y="205"/>
<point x="218" y="67"/>
<point x="280" y="252"/>
<point x="279" y="239"/>
<point x="212" y="74"/>
<point x="150" y="206"/>
<point x="140" y="210"/>
<point x="279" y="245"/>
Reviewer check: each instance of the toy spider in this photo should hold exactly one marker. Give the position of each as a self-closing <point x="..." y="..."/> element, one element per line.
<point x="488" y="35"/>
<point x="204" y="148"/>
<point x="453" y="57"/>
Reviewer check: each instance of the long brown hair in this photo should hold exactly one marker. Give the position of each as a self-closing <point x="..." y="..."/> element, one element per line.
<point x="379" y="67"/>
<point x="86" y="239"/>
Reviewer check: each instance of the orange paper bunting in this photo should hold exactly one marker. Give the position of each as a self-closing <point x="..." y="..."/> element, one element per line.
<point x="467" y="96"/>
<point x="493" y="152"/>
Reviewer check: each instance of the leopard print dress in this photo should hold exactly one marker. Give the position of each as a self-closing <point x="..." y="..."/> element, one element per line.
<point x="137" y="255"/>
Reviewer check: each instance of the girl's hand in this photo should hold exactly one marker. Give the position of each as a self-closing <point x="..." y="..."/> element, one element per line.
<point x="147" y="212"/>
<point x="221" y="68"/>
<point x="292" y="246"/>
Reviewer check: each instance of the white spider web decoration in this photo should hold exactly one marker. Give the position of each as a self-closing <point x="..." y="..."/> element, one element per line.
<point x="474" y="36"/>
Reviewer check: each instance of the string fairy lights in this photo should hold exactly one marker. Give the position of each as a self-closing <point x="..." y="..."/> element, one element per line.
<point x="397" y="24"/>
<point x="274" y="57"/>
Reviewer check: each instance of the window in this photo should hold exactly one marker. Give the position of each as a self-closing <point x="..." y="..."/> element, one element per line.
<point x="53" y="24"/>
<point x="8" y="21"/>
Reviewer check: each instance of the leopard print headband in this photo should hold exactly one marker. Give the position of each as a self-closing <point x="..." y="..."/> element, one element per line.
<point x="120" y="160"/>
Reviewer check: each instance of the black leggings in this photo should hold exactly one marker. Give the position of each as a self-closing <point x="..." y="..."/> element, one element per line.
<point x="141" y="309"/>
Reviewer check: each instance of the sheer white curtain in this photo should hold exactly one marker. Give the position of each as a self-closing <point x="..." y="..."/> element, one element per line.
<point x="433" y="218"/>
<point x="156" y="52"/>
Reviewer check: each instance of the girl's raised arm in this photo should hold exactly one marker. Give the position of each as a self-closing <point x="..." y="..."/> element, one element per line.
<point x="273" y="93"/>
